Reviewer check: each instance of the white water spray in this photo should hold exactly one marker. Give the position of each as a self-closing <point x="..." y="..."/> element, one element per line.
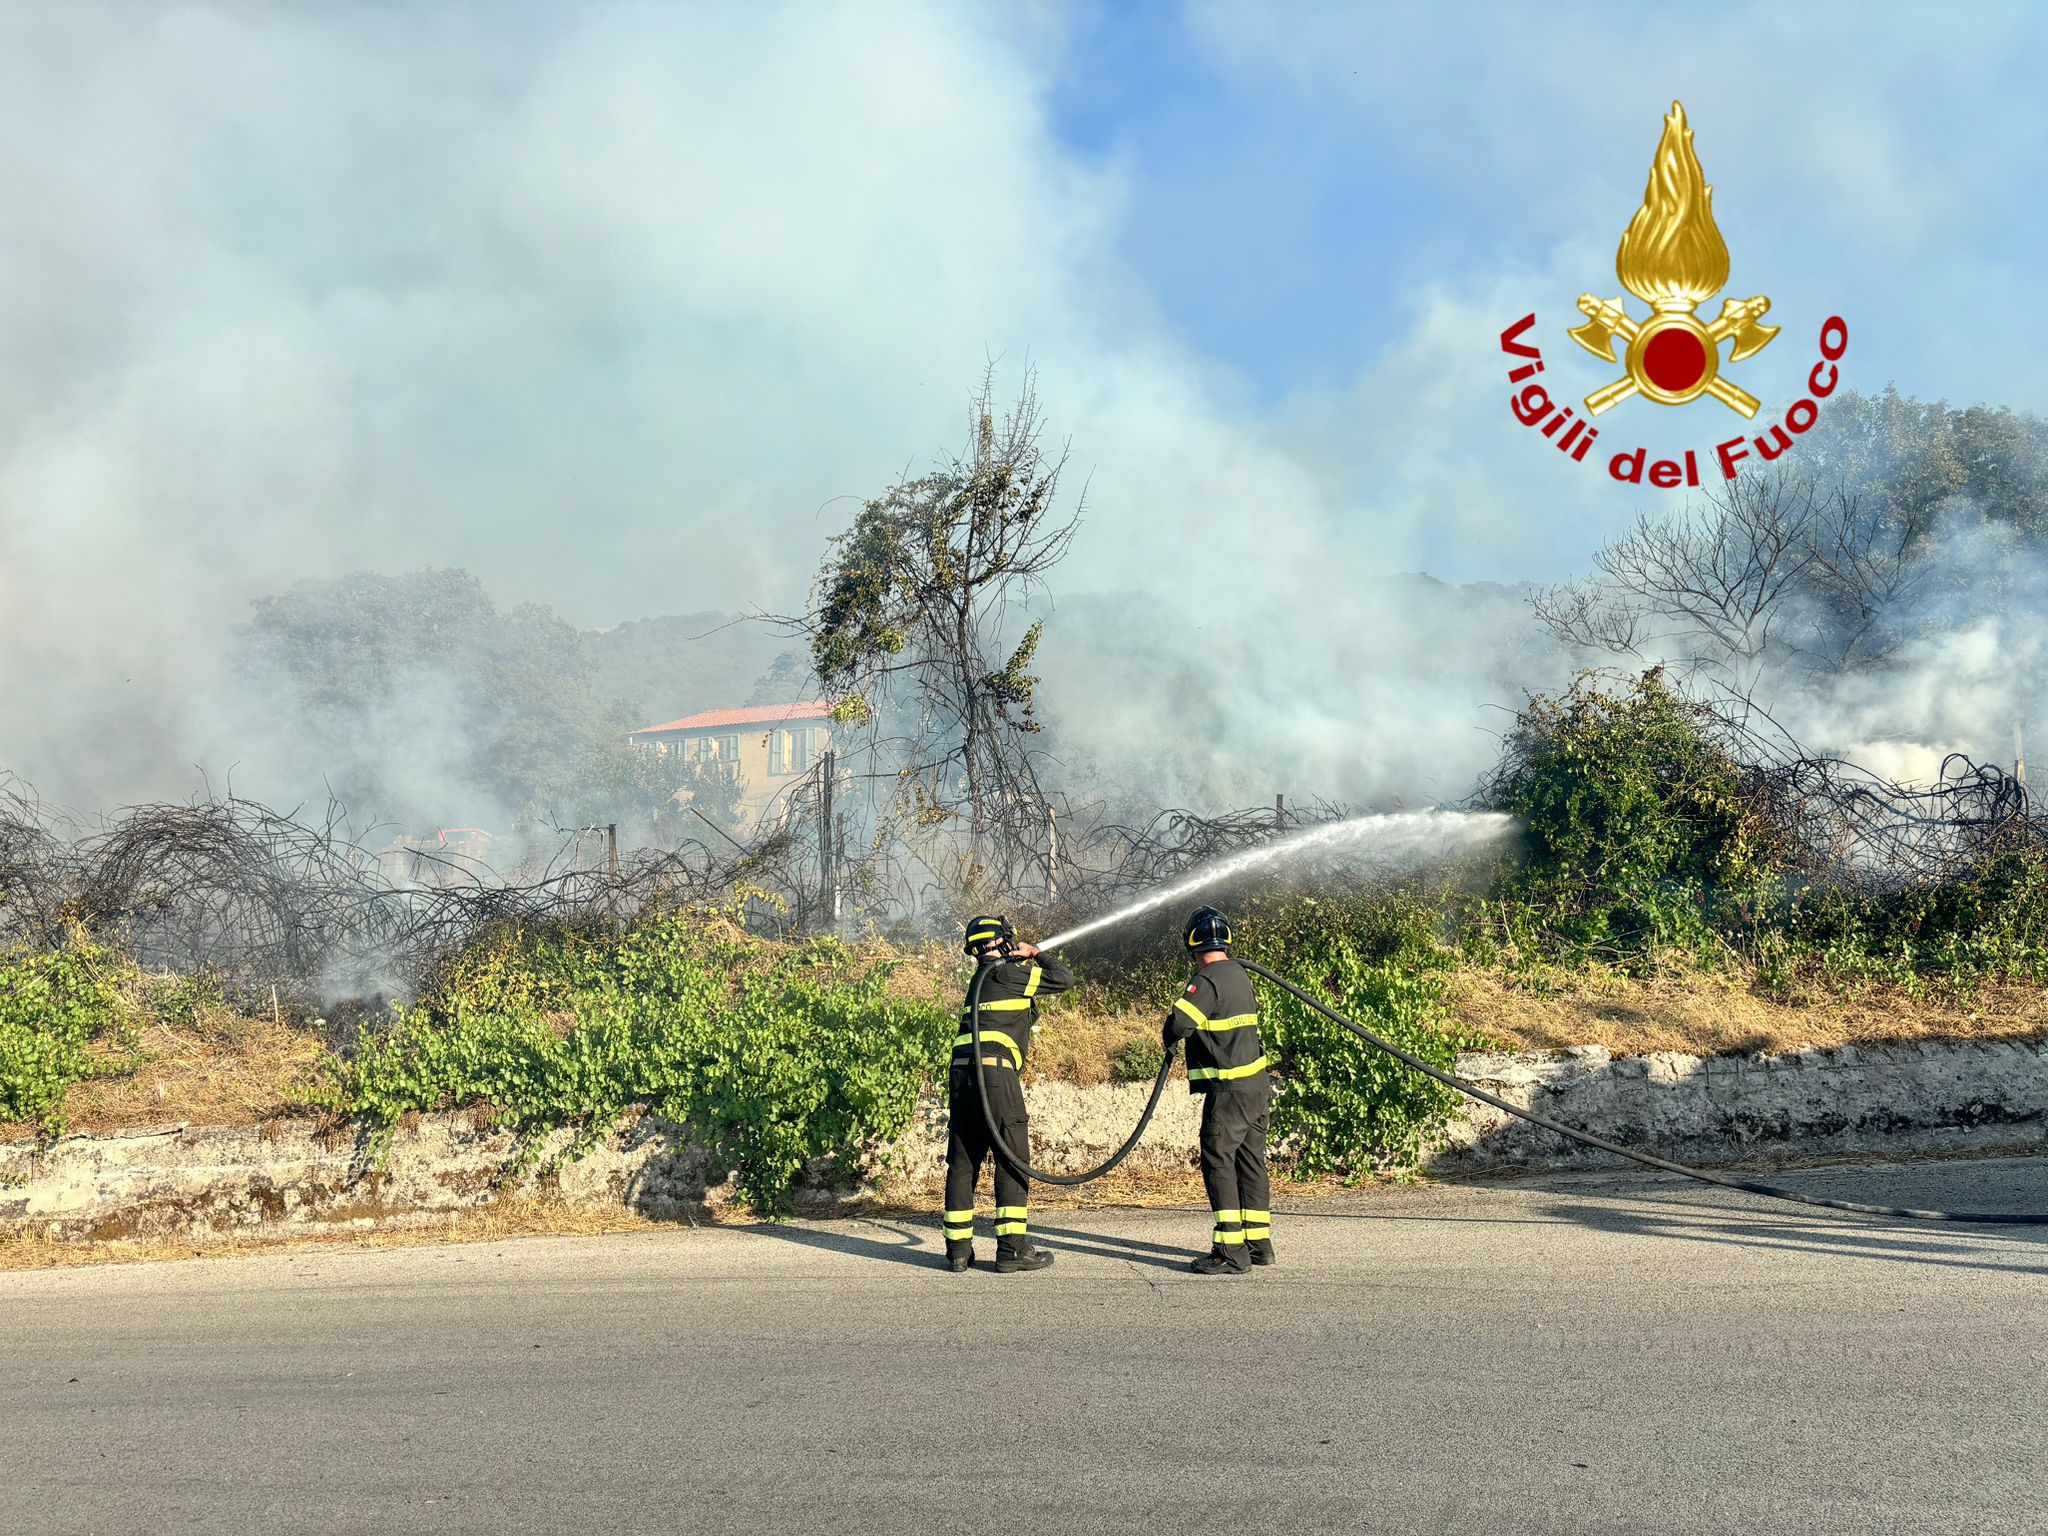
<point x="1400" y="839"/>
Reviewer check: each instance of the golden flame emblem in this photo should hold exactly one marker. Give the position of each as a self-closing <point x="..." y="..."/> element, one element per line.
<point x="1673" y="258"/>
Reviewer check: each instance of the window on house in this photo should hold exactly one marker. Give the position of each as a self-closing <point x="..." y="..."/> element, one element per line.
<point x="792" y="751"/>
<point x="728" y="749"/>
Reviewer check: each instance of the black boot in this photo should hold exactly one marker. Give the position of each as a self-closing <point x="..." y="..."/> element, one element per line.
<point x="959" y="1256"/>
<point x="1021" y="1260"/>
<point x="1218" y="1262"/>
<point x="1261" y="1251"/>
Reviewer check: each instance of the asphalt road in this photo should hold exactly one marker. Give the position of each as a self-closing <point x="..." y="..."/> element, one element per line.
<point x="1593" y="1354"/>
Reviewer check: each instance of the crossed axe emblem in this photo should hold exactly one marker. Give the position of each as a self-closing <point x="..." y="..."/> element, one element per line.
<point x="1671" y="357"/>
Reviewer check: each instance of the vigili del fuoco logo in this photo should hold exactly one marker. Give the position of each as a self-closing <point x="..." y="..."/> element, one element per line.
<point x="1673" y="259"/>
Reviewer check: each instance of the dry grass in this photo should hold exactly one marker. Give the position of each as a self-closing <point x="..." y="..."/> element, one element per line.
<point x="1076" y="1045"/>
<point x="220" y="1069"/>
<point x="1711" y="1015"/>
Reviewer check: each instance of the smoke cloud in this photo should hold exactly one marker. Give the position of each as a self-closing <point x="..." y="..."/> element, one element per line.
<point x="616" y="305"/>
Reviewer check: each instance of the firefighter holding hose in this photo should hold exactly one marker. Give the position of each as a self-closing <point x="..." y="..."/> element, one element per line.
<point x="1014" y="977"/>
<point x="1218" y="1016"/>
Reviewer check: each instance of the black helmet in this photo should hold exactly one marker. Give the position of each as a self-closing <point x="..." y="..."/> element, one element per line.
<point x="1208" y="929"/>
<point x="982" y="930"/>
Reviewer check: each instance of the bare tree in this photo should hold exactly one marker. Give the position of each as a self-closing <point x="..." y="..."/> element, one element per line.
<point x="915" y="635"/>
<point x="1768" y="568"/>
<point x="1712" y="582"/>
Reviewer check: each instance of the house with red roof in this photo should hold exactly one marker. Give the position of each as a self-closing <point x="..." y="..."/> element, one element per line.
<point x="767" y="748"/>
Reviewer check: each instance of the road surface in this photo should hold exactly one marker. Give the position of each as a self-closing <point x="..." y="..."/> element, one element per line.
<point x="1611" y="1353"/>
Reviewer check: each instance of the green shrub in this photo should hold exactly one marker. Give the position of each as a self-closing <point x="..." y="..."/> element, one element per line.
<point x="1990" y="921"/>
<point x="775" y="1057"/>
<point x="1136" y="1061"/>
<point x="1639" y="831"/>
<point x="1344" y="1107"/>
<point x="61" y="1022"/>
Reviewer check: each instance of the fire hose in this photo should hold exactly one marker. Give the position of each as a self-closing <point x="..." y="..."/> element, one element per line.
<point x="1471" y="1090"/>
<point x="995" y="1134"/>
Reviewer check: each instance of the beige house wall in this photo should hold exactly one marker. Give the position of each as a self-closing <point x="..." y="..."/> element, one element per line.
<point x="770" y="758"/>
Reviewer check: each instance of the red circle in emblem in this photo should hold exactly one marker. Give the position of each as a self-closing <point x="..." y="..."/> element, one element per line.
<point x="1674" y="360"/>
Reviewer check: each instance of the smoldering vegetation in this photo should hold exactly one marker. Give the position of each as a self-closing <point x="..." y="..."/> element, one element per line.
<point x="267" y="902"/>
<point x="1807" y="635"/>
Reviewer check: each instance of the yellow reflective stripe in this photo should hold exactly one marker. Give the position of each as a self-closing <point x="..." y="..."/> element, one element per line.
<point x="1201" y="1019"/>
<point x="1196" y="1074"/>
<point x="955" y="1217"/>
<point x="1031" y="982"/>
<point x="1227" y="1238"/>
<point x="1256" y="1234"/>
<point x="1003" y="1212"/>
<point x="995" y="1035"/>
<point x="1256" y="1215"/>
<point x="1235" y="1021"/>
<point x="1230" y="1215"/>
<point x="1009" y="1229"/>
<point x="1002" y="1005"/>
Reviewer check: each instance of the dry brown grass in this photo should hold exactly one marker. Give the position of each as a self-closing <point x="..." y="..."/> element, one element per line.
<point x="221" y="1069"/>
<point x="1713" y="1015"/>
<point x="1076" y="1045"/>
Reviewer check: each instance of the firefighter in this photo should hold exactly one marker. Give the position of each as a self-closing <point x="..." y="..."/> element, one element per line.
<point x="1014" y="977"/>
<point x="1218" y="1016"/>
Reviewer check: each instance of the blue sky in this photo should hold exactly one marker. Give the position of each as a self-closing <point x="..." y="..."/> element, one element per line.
<point x="1290" y="176"/>
<point x="1258" y="218"/>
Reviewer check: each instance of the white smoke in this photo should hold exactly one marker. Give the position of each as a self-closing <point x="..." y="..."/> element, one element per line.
<point x="617" y="304"/>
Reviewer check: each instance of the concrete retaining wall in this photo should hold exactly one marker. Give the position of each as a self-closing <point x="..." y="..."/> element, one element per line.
<point x="292" y="1174"/>
<point x="177" y="1180"/>
<point x="1877" y="1100"/>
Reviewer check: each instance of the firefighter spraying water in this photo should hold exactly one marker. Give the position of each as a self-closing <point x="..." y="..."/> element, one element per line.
<point x="988" y="1062"/>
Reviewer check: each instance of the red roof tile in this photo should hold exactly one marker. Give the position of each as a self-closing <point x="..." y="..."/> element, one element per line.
<point x="767" y="714"/>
